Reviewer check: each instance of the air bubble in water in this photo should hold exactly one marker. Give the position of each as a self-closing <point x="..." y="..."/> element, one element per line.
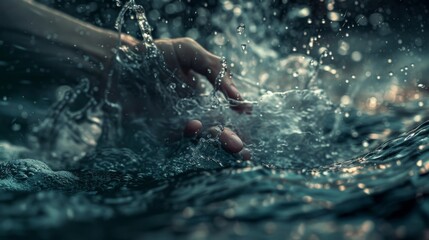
<point x="172" y="86"/>
<point x="241" y="28"/>
<point x="243" y="47"/>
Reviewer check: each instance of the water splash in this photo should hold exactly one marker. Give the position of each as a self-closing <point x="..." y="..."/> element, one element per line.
<point x="241" y="28"/>
<point x="342" y="183"/>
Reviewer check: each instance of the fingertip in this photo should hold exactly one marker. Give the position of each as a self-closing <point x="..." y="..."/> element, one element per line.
<point x="193" y="128"/>
<point x="232" y="92"/>
<point x="245" y="154"/>
<point x="230" y="141"/>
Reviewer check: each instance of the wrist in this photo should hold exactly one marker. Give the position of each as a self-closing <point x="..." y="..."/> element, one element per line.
<point x="103" y="47"/>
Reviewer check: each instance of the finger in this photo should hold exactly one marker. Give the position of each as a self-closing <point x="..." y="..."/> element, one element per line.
<point x="229" y="141"/>
<point x="193" y="56"/>
<point x="193" y="128"/>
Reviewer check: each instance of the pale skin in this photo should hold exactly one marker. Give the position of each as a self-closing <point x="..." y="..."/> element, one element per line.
<point x="65" y="38"/>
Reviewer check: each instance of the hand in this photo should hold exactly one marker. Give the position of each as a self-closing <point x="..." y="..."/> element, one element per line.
<point x="185" y="57"/>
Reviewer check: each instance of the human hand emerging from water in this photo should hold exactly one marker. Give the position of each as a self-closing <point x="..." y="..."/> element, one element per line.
<point x="31" y="26"/>
<point x="185" y="57"/>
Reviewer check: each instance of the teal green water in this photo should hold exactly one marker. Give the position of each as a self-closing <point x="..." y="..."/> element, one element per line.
<point x="339" y="140"/>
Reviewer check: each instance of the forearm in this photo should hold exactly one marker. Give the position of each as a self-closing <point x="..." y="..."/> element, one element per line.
<point x="48" y="32"/>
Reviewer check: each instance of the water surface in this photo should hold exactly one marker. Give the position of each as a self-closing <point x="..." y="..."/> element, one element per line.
<point x="338" y="132"/>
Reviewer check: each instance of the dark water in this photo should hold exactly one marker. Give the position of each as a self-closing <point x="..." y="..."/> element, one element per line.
<point x="338" y="132"/>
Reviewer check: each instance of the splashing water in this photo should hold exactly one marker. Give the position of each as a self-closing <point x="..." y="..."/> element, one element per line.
<point x="320" y="165"/>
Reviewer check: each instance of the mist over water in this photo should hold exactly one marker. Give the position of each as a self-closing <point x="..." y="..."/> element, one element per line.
<point x="337" y="133"/>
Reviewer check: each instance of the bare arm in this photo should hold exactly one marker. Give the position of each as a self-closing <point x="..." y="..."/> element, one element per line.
<point x="47" y="32"/>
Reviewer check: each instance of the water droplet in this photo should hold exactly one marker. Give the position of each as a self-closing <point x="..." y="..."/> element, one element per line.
<point x="295" y="74"/>
<point x="241" y="28"/>
<point x="421" y="85"/>
<point x="214" y="105"/>
<point x="243" y="47"/>
<point x="223" y="62"/>
<point x="325" y="53"/>
<point x="391" y="73"/>
<point x="172" y="86"/>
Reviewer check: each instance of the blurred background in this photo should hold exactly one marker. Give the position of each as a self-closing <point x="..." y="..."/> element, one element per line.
<point x="372" y="53"/>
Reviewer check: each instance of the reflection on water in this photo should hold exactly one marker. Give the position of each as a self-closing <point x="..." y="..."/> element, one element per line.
<point x="336" y="151"/>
